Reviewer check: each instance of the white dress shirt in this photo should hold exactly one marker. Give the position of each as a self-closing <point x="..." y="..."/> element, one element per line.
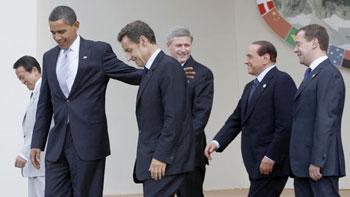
<point x="317" y="62"/>
<point x="152" y="58"/>
<point x="73" y="59"/>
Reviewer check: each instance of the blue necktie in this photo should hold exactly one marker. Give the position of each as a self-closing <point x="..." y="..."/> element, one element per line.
<point x="63" y="72"/>
<point x="253" y="88"/>
<point x="307" y="74"/>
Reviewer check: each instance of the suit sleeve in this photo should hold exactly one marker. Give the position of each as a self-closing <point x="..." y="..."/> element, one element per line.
<point x="330" y="103"/>
<point x="173" y="97"/>
<point x="231" y="128"/>
<point x="116" y="69"/>
<point x="284" y="93"/>
<point x="43" y="114"/>
<point x="202" y="101"/>
<point x="25" y="150"/>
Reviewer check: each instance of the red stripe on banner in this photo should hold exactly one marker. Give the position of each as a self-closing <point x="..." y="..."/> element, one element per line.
<point x="277" y="23"/>
<point x="270" y="5"/>
<point x="262" y="8"/>
<point x="347" y="55"/>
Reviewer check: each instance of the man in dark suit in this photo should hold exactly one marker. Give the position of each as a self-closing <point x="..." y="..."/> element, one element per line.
<point x="264" y="116"/>
<point x="200" y="95"/>
<point x="75" y="77"/>
<point x="316" y="151"/>
<point x="165" y="150"/>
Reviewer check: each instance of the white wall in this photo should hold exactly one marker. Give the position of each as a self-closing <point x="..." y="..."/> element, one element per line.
<point x="222" y="31"/>
<point x="18" y="37"/>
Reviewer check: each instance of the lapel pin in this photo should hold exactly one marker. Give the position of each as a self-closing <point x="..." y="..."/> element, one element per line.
<point x="85" y="57"/>
<point x="264" y="86"/>
<point x="314" y="75"/>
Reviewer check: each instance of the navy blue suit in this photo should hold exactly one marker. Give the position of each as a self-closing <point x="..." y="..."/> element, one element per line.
<point x="265" y="127"/>
<point x="316" y="133"/>
<point x="80" y="131"/>
<point x="165" y="125"/>
<point x="200" y="93"/>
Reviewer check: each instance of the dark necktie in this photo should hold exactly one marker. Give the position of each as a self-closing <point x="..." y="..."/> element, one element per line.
<point x="307" y="74"/>
<point x="252" y="89"/>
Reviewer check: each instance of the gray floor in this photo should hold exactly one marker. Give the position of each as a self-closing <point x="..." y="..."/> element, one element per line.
<point x="234" y="193"/>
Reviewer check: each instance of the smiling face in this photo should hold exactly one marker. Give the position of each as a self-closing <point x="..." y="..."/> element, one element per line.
<point x="180" y="48"/>
<point x="304" y="49"/>
<point x="28" y="78"/>
<point x="63" y="33"/>
<point x="255" y="63"/>
<point x="135" y="52"/>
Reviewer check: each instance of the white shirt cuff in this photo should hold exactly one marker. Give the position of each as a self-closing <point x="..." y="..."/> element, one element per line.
<point x="269" y="159"/>
<point x="216" y="144"/>
<point x="23" y="157"/>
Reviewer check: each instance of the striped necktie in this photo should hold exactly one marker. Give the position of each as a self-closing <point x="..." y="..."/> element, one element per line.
<point x="63" y="72"/>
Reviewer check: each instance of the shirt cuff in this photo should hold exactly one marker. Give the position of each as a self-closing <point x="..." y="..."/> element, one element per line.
<point x="23" y="157"/>
<point x="216" y="144"/>
<point x="269" y="159"/>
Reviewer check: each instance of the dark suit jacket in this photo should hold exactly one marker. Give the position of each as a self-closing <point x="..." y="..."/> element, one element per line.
<point x="318" y="108"/>
<point x="265" y="124"/>
<point x="200" y="92"/>
<point x="164" y="120"/>
<point x="84" y="108"/>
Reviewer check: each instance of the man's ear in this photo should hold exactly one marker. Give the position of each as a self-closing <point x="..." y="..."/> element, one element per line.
<point x="315" y="43"/>
<point x="143" y="41"/>
<point x="35" y="70"/>
<point x="267" y="58"/>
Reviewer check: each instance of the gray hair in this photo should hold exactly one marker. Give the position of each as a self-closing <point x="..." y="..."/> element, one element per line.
<point x="178" y="32"/>
<point x="63" y="12"/>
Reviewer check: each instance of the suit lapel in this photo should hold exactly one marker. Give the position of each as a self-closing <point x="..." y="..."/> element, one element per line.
<point x="314" y="74"/>
<point x="84" y="55"/>
<point x="148" y="76"/>
<point x="51" y="68"/>
<point x="258" y="92"/>
<point x="245" y="96"/>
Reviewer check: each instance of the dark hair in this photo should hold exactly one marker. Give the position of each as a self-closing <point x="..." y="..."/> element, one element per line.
<point x="136" y="29"/>
<point x="266" y="48"/>
<point x="27" y="62"/>
<point x="316" y="31"/>
<point x="63" y="12"/>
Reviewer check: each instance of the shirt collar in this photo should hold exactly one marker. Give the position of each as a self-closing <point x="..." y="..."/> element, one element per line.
<point x="317" y="62"/>
<point x="261" y="76"/>
<point x="152" y="58"/>
<point x="37" y="85"/>
<point x="75" y="45"/>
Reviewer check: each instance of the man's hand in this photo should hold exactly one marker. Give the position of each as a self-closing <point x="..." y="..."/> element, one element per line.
<point x="315" y="172"/>
<point x="209" y="150"/>
<point x="157" y="169"/>
<point x="20" y="162"/>
<point x="35" y="157"/>
<point x="189" y="72"/>
<point x="266" y="166"/>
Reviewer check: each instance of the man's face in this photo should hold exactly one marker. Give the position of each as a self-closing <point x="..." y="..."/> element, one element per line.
<point x="303" y="48"/>
<point x="134" y="51"/>
<point x="255" y="63"/>
<point x="63" y="33"/>
<point x="180" y="48"/>
<point x="27" y="78"/>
